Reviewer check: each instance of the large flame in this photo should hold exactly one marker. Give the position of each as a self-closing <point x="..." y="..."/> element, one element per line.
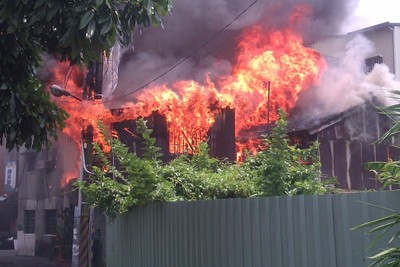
<point x="270" y="69"/>
<point x="279" y="58"/>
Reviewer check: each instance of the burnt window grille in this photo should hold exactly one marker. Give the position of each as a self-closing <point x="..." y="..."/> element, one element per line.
<point x="51" y="222"/>
<point x="181" y="142"/>
<point x="371" y="61"/>
<point x="29" y="221"/>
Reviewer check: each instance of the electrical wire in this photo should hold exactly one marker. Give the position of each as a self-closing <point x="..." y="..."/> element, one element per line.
<point x="186" y="57"/>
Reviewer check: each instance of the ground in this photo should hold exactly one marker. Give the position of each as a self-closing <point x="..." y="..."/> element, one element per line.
<point x="8" y="258"/>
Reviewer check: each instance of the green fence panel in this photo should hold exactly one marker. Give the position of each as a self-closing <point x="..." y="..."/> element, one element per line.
<point x="258" y="232"/>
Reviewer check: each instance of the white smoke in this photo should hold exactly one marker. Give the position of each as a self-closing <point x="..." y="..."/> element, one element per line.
<point x="345" y="84"/>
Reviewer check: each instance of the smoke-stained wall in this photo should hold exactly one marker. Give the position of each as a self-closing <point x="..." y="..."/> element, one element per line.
<point x="347" y="142"/>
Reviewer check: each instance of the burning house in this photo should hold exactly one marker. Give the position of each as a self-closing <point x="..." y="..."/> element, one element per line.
<point x="220" y="136"/>
<point x="348" y="141"/>
<point x="193" y="85"/>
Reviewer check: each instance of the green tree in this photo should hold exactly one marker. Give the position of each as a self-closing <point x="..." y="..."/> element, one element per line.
<point x="284" y="169"/>
<point x="73" y="30"/>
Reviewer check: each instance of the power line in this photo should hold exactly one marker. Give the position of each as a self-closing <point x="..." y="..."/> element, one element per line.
<point x="186" y="57"/>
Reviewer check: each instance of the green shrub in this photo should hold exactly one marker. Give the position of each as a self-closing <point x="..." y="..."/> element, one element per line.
<point x="281" y="169"/>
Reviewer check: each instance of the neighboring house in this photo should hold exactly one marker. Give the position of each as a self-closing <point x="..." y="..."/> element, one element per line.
<point x="348" y="138"/>
<point x="347" y="141"/>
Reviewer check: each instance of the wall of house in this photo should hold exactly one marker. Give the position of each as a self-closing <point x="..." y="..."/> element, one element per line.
<point x="3" y="152"/>
<point x="347" y="145"/>
<point x="382" y="38"/>
<point x="332" y="47"/>
<point x="396" y="43"/>
<point x="8" y="199"/>
<point x="222" y="135"/>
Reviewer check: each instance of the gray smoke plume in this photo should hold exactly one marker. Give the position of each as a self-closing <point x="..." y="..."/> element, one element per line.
<point x="346" y="84"/>
<point x="155" y="51"/>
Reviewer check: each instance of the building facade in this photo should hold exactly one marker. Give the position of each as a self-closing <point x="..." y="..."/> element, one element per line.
<point x="385" y="38"/>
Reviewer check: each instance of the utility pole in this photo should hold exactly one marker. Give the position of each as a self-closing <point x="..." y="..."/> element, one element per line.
<point x="268" y="86"/>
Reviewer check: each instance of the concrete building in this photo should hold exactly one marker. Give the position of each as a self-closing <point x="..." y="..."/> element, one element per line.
<point x="43" y="196"/>
<point x="385" y="38"/>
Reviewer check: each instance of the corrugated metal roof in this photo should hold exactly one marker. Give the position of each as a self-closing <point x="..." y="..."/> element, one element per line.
<point x="317" y="123"/>
<point x="375" y="27"/>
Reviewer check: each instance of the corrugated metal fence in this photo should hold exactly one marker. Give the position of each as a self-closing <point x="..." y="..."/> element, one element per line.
<point x="276" y="231"/>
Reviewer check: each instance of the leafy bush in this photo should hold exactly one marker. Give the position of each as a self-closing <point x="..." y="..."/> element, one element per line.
<point x="281" y="169"/>
<point x="386" y="172"/>
<point x="202" y="177"/>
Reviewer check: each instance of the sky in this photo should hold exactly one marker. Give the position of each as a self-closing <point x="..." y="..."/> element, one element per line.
<point x="372" y="12"/>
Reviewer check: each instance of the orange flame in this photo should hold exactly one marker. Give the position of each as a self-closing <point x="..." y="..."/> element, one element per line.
<point x="278" y="57"/>
<point x="189" y="107"/>
<point x="68" y="176"/>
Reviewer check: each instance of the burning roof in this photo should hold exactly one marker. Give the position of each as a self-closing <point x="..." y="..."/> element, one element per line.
<point x="317" y="123"/>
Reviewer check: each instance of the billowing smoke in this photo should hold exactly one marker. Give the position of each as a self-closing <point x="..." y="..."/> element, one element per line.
<point x="346" y="84"/>
<point x="155" y="51"/>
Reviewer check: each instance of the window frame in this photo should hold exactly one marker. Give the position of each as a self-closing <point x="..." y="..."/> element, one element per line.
<point x="29" y="221"/>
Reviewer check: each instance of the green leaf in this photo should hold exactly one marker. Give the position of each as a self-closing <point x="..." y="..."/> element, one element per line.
<point x="104" y="17"/>
<point x="111" y="39"/>
<point x="39" y="3"/>
<point x="80" y="8"/>
<point x="106" y="26"/>
<point x="109" y="4"/>
<point x="52" y="12"/>
<point x="90" y="29"/>
<point x="86" y="18"/>
<point x="146" y="20"/>
<point x="385" y="253"/>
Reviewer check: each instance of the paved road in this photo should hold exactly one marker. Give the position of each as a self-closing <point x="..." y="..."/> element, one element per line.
<point x="8" y="258"/>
